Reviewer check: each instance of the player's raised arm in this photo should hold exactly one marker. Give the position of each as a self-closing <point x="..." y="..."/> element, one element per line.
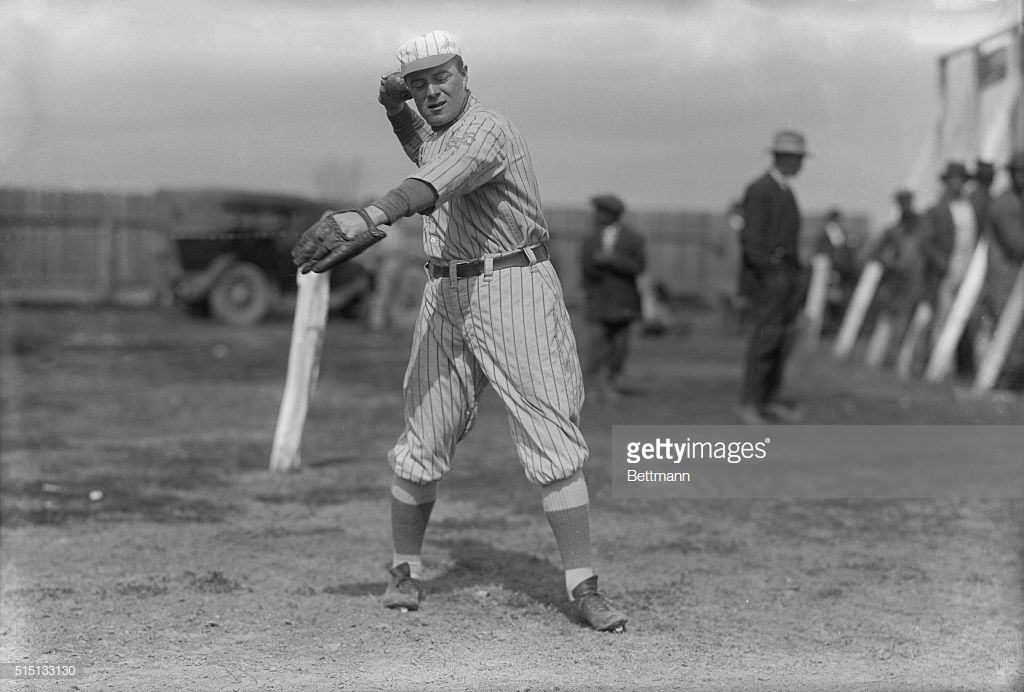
<point x="406" y="123"/>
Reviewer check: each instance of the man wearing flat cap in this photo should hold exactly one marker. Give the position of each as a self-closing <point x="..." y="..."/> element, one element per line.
<point x="1006" y="256"/>
<point x="612" y="257"/>
<point x="492" y="315"/>
<point x="775" y="281"/>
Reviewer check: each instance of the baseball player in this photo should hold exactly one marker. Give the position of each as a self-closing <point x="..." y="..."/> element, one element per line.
<point x="492" y="314"/>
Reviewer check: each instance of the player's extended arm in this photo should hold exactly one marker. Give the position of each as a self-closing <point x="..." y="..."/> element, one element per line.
<point x="341" y="235"/>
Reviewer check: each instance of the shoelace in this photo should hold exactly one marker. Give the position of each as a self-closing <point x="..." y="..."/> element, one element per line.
<point x="407" y="585"/>
<point x="596" y="602"/>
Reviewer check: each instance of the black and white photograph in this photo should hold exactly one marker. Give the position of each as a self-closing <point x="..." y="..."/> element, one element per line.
<point x="516" y="346"/>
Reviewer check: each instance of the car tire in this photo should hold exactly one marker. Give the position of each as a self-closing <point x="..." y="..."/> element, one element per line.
<point x="242" y="295"/>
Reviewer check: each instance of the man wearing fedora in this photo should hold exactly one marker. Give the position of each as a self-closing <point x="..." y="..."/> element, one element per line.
<point x="949" y="234"/>
<point x="774" y="279"/>
<point x="1006" y="255"/>
<point x="612" y="257"/>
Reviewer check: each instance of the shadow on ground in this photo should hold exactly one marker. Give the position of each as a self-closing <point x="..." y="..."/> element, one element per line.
<point x="475" y="563"/>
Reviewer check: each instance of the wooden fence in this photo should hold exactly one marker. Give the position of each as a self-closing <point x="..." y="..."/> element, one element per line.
<point x="96" y="247"/>
<point x="81" y="247"/>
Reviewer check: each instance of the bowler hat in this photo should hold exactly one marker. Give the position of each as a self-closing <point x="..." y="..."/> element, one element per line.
<point x="1016" y="162"/>
<point x="789" y="142"/>
<point x="955" y="169"/>
<point x="609" y="203"/>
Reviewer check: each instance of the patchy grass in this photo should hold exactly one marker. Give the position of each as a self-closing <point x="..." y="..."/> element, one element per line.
<point x="144" y="539"/>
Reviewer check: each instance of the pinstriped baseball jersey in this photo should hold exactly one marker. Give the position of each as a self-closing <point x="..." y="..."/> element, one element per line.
<point x="509" y="329"/>
<point x="488" y="199"/>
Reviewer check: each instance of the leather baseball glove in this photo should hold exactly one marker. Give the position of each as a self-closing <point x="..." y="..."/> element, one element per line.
<point x="337" y="237"/>
<point x="393" y="91"/>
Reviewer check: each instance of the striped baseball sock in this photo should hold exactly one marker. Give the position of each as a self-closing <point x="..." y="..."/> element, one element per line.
<point x="411" y="505"/>
<point x="567" y="508"/>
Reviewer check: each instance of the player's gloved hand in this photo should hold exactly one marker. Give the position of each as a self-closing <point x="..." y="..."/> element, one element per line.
<point x="337" y="237"/>
<point x="393" y="92"/>
<point x="310" y="240"/>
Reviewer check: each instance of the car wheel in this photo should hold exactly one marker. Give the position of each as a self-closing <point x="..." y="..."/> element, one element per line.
<point x="242" y="294"/>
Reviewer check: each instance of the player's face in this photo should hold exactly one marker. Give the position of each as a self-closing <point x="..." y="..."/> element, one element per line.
<point x="440" y="92"/>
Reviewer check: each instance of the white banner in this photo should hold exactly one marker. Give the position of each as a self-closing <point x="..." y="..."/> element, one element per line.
<point x="999" y="81"/>
<point x="980" y="105"/>
<point x="959" y="131"/>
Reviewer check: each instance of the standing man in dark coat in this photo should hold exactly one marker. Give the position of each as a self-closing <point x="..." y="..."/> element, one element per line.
<point x="612" y="258"/>
<point x="776" y="279"/>
<point x="1006" y="255"/>
<point x="948" y="237"/>
<point x="981" y="192"/>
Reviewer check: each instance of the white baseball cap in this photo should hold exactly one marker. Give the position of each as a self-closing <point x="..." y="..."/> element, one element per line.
<point x="426" y="51"/>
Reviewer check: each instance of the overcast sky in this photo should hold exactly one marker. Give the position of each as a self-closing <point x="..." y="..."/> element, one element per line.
<point x="671" y="105"/>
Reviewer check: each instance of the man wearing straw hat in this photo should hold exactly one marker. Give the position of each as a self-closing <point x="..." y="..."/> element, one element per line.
<point x="775" y="281"/>
<point x="492" y="314"/>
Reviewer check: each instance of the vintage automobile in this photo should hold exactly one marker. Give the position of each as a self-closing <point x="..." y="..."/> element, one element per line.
<point x="234" y="253"/>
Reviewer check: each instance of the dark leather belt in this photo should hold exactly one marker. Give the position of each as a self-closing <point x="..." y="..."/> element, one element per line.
<point x="520" y="258"/>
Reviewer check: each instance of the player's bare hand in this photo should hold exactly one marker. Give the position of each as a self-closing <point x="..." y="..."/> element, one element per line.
<point x="393" y="92"/>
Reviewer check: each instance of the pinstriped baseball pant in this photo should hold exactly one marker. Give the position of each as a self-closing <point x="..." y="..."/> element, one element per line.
<point x="511" y="331"/>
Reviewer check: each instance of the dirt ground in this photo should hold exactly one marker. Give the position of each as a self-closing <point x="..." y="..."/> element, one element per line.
<point x="145" y="542"/>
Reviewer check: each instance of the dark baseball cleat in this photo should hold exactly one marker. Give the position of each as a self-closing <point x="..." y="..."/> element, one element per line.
<point x="403" y="592"/>
<point x="595" y="609"/>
